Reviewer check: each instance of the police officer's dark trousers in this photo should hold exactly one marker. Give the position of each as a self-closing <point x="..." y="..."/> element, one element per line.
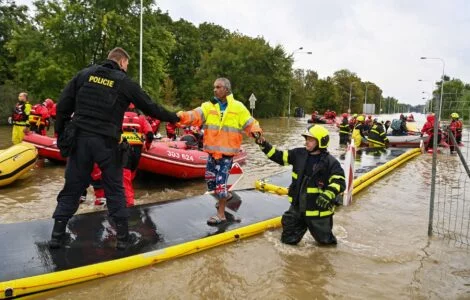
<point x="91" y="148"/>
<point x="295" y="224"/>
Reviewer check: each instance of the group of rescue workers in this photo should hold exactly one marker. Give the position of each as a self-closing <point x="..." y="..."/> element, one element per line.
<point x="362" y="130"/>
<point x="89" y="134"/>
<point x="25" y="118"/>
<point x="97" y="128"/>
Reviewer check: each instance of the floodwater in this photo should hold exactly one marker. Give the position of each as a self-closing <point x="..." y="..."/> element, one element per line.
<point x="383" y="250"/>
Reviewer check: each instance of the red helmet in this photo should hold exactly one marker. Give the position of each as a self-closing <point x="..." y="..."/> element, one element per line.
<point x="131" y="106"/>
<point x="344" y="115"/>
<point x="49" y="103"/>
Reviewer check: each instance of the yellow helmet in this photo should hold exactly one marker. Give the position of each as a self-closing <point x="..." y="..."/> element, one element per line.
<point x="454" y="115"/>
<point x="360" y="119"/>
<point x="320" y="133"/>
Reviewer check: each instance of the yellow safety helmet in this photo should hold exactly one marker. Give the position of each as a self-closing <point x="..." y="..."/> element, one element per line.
<point x="320" y="133"/>
<point x="360" y="119"/>
<point x="355" y="116"/>
<point x="454" y="115"/>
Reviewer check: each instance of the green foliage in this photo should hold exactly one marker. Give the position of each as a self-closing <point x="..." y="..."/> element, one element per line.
<point x="253" y="67"/>
<point x="40" y="52"/>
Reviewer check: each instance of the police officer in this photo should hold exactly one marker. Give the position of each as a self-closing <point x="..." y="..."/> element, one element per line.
<point x="317" y="178"/>
<point x="89" y="122"/>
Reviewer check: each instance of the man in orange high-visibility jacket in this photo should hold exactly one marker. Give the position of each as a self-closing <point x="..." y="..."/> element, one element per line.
<point x="223" y="120"/>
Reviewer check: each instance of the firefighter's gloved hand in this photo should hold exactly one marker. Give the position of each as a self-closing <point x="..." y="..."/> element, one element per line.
<point x="148" y="140"/>
<point x="324" y="202"/>
<point x="149" y="137"/>
<point x="10" y="121"/>
<point x="259" y="138"/>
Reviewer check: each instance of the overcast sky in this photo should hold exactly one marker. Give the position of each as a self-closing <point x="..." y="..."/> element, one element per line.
<point x="381" y="41"/>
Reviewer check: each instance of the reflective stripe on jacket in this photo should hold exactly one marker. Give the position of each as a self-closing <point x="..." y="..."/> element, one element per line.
<point x="21" y="113"/>
<point x="222" y="132"/>
<point x="377" y="135"/>
<point x="327" y="179"/>
<point x="134" y="127"/>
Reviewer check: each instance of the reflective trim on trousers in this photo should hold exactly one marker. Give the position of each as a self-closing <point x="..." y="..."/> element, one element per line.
<point x="317" y="213"/>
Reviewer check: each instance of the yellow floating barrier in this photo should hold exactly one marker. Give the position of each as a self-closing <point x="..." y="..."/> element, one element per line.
<point x="359" y="183"/>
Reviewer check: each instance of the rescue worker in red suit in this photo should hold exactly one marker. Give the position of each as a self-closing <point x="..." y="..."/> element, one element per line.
<point x="456" y="127"/>
<point x="171" y="130"/>
<point x="97" y="185"/>
<point x="39" y="119"/>
<point x="428" y="128"/>
<point x="136" y="130"/>
<point x="155" y="123"/>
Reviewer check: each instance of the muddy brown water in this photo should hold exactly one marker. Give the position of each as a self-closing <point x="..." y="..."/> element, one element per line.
<point x="383" y="251"/>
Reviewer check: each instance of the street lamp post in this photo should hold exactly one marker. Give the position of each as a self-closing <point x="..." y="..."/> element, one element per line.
<point x="350" y="91"/>
<point x="434" y="155"/>
<point x="432" y="90"/>
<point x="290" y="88"/>
<point x="365" y="98"/>
<point x="442" y="84"/>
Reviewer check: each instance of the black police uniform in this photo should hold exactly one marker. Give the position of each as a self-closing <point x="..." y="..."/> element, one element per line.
<point x="312" y="175"/>
<point x="93" y="103"/>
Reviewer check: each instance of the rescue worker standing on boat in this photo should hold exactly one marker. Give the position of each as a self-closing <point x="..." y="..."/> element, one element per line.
<point x="97" y="97"/>
<point x="19" y="118"/>
<point x="223" y="120"/>
<point x="317" y="178"/>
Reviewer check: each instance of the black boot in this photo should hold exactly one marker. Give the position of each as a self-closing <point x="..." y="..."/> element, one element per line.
<point x="58" y="234"/>
<point x="122" y="233"/>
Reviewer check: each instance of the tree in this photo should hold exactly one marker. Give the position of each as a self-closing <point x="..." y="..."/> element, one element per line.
<point x="343" y="80"/>
<point x="12" y="17"/>
<point x="184" y="59"/>
<point x="69" y="35"/>
<point x="253" y="67"/>
<point x="325" y="95"/>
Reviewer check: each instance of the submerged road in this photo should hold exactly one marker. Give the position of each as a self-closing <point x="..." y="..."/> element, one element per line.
<point x="383" y="251"/>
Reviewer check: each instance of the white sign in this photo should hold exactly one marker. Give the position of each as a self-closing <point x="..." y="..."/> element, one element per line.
<point x="252" y="100"/>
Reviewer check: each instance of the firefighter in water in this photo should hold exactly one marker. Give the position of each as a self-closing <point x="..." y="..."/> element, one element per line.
<point x="377" y="137"/>
<point x="39" y="118"/>
<point x="137" y="131"/>
<point x="19" y="118"/>
<point x="317" y="179"/>
<point x="344" y="130"/>
<point x="358" y="134"/>
<point x="456" y="126"/>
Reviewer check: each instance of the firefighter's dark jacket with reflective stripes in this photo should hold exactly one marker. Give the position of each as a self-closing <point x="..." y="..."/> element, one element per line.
<point x="99" y="95"/>
<point x="327" y="178"/>
<point x="377" y="135"/>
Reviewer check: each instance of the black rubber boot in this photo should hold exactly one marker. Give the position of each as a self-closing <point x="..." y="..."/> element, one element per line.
<point x="122" y="234"/>
<point x="58" y="234"/>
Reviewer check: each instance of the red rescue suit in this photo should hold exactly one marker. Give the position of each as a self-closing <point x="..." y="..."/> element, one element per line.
<point x="137" y="131"/>
<point x="171" y="130"/>
<point x="39" y="119"/>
